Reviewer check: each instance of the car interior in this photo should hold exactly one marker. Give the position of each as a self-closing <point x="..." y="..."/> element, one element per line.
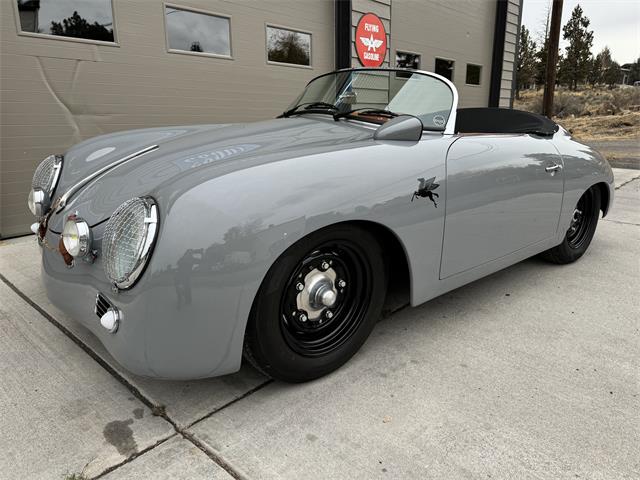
<point x="503" y="120"/>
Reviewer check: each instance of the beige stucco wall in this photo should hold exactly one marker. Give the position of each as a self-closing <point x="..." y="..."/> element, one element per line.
<point x="427" y="28"/>
<point x="54" y="93"/>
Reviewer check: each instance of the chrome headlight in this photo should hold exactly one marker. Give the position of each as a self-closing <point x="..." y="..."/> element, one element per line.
<point x="128" y="239"/>
<point x="44" y="184"/>
<point x="76" y="237"/>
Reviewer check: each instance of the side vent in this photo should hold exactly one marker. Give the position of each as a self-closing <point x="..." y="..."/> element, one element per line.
<point x="102" y="305"/>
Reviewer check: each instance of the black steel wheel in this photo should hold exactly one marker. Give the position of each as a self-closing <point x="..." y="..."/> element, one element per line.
<point x="581" y="229"/>
<point x="324" y="299"/>
<point x="581" y="221"/>
<point x="317" y="305"/>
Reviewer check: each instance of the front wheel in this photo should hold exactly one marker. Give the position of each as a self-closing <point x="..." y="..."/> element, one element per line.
<point x="317" y="304"/>
<point x="581" y="230"/>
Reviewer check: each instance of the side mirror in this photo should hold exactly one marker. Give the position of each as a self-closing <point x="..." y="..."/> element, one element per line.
<point x="348" y="98"/>
<point x="404" y="127"/>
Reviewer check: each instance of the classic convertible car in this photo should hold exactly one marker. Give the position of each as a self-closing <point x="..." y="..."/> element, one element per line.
<point x="183" y="248"/>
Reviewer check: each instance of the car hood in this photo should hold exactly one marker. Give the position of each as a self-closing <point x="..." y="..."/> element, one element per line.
<point x="201" y="152"/>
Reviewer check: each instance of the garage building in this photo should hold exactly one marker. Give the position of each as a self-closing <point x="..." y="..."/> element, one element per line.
<point x="74" y="69"/>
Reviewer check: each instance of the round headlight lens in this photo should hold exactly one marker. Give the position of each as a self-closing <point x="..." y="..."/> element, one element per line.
<point x="76" y="236"/>
<point x="44" y="184"/>
<point x="128" y="239"/>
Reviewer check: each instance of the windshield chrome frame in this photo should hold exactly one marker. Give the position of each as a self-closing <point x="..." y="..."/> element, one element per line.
<point x="449" y="128"/>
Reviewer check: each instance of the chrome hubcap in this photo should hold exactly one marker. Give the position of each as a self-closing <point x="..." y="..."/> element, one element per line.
<point x="318" y="294"/>
<point x="575" y="221"/>
<point x="336" y="281"/>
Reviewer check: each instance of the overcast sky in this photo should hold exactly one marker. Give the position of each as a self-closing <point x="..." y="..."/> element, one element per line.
<point x="615" y="24"/>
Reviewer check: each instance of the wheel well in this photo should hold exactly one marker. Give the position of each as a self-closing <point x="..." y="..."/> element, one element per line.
<point x="398" y="273"/>
<point x="604" y="197"/>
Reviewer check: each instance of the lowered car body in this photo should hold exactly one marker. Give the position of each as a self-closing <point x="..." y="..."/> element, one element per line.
<point x="225" y="203"/>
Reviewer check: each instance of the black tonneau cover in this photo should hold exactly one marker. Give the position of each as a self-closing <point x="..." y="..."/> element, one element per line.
<point x="503" y="120"/>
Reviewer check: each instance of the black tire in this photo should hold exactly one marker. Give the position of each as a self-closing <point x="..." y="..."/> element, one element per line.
<point x="288" y="346"/>
<point x="580" y="233"/>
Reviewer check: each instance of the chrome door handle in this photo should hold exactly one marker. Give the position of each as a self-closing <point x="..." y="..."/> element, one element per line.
<point x="553" y="168"/>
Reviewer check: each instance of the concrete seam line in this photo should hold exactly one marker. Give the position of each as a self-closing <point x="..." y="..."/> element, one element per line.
<point x="212" y="455"/>
<point x="132" y="457"/>
<point x="157" y="410"/>
<point x="621" y="222"/>
<point x="229" y="403"/>
<point x="626" y="183"/>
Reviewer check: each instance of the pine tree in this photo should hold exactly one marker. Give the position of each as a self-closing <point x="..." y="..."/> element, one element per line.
<point x="594" y="75"/>
<point x="77" y="26"/>
<point x="578" y="52"/>
<point x="527" y="63"/>
<point x="634" y="74"/>
<point x="608" y="67"/>
<point x="541" y="59"/>
<point x="541" y="55"/>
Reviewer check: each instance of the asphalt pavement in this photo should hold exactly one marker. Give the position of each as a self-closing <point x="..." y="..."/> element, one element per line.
<point x="532" y="372"/>
<point x="623" y="153"/>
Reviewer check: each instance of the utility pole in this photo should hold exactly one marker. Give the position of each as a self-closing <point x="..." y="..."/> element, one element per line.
<point x="552" y="58"/>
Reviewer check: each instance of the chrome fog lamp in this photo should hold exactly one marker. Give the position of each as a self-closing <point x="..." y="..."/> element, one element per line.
<point x="76" y="236"/>
<point x="38" y="202"/>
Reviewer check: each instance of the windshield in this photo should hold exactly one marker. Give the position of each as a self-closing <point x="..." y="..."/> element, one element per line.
<point x="369" y="94"/>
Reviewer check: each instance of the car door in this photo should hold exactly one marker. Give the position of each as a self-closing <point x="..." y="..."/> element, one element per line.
<point x="504" y="193"/>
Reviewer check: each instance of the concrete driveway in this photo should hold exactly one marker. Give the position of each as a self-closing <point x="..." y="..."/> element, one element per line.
<point x="533" y="372"/>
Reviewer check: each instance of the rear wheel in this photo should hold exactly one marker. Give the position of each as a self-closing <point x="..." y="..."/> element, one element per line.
<point x="317" y="305"/>
<point x="581" y="230"/>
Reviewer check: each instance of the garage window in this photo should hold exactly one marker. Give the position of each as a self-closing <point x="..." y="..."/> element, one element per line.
<point x="407" y="60"/>
<point x="445" y="68"/>
<point x="197" y="32"/>
<point x="291" y="47"/>
<point x="73" y="19"/>
<point x="473" y="74"/>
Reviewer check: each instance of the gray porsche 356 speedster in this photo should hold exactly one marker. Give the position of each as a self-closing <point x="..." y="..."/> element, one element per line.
<point x="183" y="248"/>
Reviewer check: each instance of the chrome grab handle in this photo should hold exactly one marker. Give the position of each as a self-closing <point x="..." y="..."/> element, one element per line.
<point x="553" y="168"/>
<point x="62" y="201"/>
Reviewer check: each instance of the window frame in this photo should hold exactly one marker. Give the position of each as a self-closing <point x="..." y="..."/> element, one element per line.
<point x="453" y="70"/>
<point x="395" y="61"/>
<point x="479" y="84"/>
<point x="284" y="64"/>
<point x="210" y="13"/>
<point x="48" y="36"/>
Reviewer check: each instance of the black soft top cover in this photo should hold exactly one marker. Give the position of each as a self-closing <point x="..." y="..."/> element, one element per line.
<point x="503" y="120"/>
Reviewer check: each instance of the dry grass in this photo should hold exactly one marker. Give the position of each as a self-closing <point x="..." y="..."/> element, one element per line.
<point x="592" y="114"/>
<point x="625" y="126"/>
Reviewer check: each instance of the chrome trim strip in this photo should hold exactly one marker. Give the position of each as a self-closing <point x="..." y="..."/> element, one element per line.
<point x="57" y="168"/>
<point x="62" y="202"/>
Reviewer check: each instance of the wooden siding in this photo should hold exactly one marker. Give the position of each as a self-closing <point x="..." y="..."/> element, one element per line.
<point x="382" y="8"/>
<point x="510" y="49"/>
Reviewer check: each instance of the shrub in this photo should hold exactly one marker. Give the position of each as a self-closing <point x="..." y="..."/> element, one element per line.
<point x="567" y="104"/>
<point x="587" y="102"/>
<point x="624" y="98"/>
